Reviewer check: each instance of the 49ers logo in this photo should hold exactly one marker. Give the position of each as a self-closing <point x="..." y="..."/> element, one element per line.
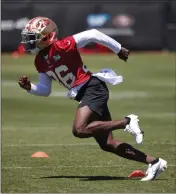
<point x="37" y="23"/>
<point x="42" y="23"/>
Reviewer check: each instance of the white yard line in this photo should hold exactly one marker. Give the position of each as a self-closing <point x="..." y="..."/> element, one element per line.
<point x="113" y="95"/>
<point x="78" y="166"/>
<point x="48" y="145"/>
<point x="9" y="83"/>
<point x="76" y="144"/>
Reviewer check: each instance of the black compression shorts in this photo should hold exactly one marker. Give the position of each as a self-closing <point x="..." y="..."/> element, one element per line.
<point x="95" y="95"/>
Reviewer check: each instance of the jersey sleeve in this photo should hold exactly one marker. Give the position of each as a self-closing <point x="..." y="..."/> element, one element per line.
<point x="67" y="44"/>
<point x="43" y="87"/>
<point x="84" y="38"/>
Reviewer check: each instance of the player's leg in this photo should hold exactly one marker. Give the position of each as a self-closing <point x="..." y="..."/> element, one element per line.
<point x="156" y="165"/>
<point x="108" y="143"/>
<point x="83" y="116"/>
<point x="86" y="123"/>
<point x="105" y="139"/>
<point x="93" y="99"/>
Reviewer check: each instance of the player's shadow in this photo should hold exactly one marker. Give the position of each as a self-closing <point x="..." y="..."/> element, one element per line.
<point x="87" y="178"/>
<point x="94" y="178"/>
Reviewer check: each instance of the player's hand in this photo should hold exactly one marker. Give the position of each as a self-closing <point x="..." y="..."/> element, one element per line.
<point x="123" y="54"/>
<point x="24" y="83"/>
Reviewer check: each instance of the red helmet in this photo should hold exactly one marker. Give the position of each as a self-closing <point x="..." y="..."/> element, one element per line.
<point x="39" y="33"/>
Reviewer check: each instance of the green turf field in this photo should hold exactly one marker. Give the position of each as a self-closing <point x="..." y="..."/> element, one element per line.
<point x="31" y="124"/>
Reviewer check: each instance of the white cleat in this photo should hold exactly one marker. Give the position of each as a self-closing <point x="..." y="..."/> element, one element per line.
<point x="154" y="170"/>
<point x="134" y="129"/>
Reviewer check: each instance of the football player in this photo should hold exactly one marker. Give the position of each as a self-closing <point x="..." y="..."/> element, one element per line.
<point x="60" y="60"/>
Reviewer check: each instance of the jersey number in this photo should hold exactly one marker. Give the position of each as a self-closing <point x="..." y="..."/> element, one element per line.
<point x="64" y="80"/>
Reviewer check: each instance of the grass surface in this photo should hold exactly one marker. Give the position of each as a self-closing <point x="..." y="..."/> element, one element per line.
<point x="31" y="124"/>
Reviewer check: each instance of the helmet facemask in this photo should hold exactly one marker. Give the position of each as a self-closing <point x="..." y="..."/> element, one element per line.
<point x="30" y="40"/>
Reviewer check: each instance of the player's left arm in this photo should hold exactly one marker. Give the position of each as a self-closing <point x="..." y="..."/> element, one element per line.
<point x="94" y="35"/>
<point x="42" y="88"/>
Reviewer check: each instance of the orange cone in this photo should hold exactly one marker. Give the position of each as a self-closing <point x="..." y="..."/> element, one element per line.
<point x="39" y="155"/>
<point x="15" y="54"/>
<point x="21" y="49"/>
<point x="136" y="174"/>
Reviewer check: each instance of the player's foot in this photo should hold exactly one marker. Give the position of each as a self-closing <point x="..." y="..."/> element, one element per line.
<point x="134" y="129"/>
<point x="155" y="169"/>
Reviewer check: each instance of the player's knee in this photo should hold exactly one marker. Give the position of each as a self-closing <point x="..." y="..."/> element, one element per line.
<point x="78" y="132"/>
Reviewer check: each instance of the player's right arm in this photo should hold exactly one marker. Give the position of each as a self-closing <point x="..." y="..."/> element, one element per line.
<point x="83" y="38"/>
<point x="42" y="88"/>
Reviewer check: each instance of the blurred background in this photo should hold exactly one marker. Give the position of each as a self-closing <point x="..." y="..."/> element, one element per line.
<point x="139" y="25"/>
<point x="31" y="124"/>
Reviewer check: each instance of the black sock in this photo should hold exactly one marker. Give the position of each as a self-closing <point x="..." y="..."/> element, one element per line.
<point x="155" y="161"/>
<point x="127" y="151"/>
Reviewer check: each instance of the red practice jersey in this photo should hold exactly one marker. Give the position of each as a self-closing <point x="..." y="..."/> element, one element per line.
<point x="62" y="61"/>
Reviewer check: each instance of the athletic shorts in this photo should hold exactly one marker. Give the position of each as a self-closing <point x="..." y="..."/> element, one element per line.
<point x="95" y="95"/>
